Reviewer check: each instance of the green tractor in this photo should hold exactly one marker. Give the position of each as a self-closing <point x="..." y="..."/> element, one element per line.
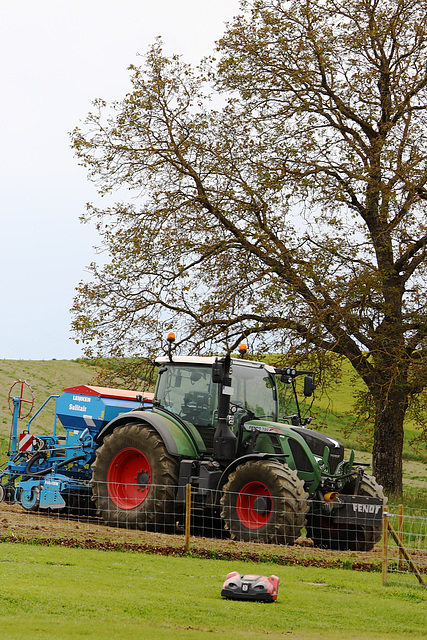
<point x="233" y="430"/>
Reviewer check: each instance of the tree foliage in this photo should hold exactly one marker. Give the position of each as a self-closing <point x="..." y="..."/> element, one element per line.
<point x="280" y="195"/>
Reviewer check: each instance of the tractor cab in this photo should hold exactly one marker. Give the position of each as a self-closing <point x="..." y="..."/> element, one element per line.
<point x="187" y="388"/>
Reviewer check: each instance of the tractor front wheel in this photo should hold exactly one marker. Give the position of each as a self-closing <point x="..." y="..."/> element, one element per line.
<point x="134" y="478"/>
<point x="264" y="500"/>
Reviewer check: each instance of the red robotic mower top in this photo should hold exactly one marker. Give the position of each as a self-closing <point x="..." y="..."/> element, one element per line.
<point x="250" y="587"/>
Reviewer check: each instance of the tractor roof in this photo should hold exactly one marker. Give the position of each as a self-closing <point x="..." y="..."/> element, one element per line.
<point x="209" y="360"/>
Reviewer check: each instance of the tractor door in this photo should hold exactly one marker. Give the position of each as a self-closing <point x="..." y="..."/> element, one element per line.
<point x="188" y="392"/>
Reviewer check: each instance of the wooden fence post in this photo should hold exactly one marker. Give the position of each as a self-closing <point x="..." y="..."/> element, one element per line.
<point x="400" y="532"/>
<point x="385" y="546"/>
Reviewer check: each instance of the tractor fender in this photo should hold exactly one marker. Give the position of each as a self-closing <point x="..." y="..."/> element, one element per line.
<point x="177" y="442"/>
<point x="233" y="465"/>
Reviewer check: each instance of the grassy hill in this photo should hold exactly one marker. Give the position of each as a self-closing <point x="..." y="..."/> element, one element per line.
<point x="46" y="378"/>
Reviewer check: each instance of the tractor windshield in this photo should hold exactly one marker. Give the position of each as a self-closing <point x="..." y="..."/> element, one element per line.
<point x="288" y="404"/>
<point x="254" y="391"/>
<point x="187" y="390"/>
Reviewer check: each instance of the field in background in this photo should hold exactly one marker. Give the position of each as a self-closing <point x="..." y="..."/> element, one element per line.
<point x="50" y="377"/>
<point x="46" y="377"/>
<point x="334" y="411"/>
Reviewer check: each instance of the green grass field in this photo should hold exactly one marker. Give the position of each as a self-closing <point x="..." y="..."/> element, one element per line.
<point x="54" y="593"/>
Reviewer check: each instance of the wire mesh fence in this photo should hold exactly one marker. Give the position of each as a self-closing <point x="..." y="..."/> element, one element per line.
<point x="181" y="519"/>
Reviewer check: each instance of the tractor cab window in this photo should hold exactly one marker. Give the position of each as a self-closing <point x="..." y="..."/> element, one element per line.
<point x="253" y="391"/>
<point x="188" y="391"/>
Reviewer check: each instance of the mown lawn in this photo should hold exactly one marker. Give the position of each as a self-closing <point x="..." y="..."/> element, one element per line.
<point x="54" y="593"/>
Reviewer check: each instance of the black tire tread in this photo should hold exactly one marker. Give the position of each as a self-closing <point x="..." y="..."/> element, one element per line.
<point x="288" y="494"/>
<point x="157" y="506"/>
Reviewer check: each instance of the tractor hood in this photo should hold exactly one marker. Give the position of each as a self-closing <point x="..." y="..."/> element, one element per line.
<point x="317" y="443"/>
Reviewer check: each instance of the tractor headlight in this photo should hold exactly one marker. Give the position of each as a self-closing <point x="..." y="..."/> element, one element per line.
<point x="320" y="463"/>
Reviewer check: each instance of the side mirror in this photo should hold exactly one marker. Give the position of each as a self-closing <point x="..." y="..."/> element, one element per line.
<point x="309" y="386"/>
<point x="221" y="370"/>
<point x="218" y="372"/>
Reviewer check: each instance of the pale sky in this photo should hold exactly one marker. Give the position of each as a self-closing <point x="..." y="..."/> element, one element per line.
<point x="56" y="57"/>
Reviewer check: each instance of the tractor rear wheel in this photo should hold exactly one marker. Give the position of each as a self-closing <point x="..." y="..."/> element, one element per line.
<point x="134" y="478"/>
<point x="328" y="534"/>
<point x="264" y="500"/>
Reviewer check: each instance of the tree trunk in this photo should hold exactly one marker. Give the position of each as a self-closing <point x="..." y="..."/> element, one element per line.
<point x="388" y="440"/>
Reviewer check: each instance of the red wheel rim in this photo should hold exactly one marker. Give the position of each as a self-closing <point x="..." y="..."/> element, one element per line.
<point x="129" y="478"/>
<point x="254" y="505"/>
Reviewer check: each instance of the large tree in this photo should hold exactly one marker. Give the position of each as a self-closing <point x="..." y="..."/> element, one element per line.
<point x="279" y="197"/>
